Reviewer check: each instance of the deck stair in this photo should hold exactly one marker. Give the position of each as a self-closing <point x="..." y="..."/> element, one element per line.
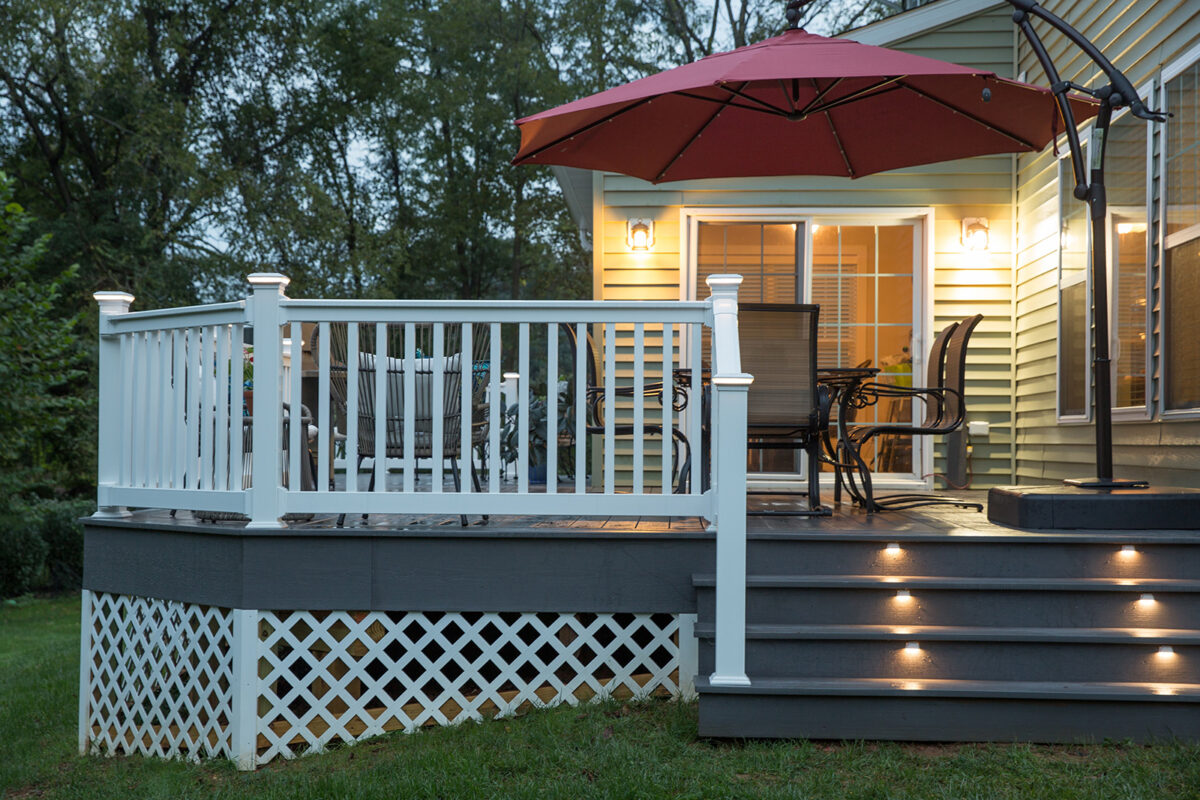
<point x="928" y="635"/>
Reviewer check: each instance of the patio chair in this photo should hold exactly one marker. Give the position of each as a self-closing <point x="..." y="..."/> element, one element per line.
<point x="788" y="410"/>
<point x="423" y="413"/>
<point x="681" y="453"/>
<point x="945" y="410"/>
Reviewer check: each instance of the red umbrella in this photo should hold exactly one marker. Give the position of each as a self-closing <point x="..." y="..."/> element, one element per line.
<point x="795" y="104"/>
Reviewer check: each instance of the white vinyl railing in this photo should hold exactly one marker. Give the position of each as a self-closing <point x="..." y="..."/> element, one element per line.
<point x="173" y="433"/>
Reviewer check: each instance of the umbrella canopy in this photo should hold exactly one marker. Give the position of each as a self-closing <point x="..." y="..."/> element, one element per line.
<point x="795" y="104"/>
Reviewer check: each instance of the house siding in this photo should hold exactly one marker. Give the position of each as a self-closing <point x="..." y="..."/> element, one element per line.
<point x="1139" y="38"/>
<point x="961" y="284"/>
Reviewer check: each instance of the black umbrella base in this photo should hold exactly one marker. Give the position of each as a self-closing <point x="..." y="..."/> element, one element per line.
<point x="1063" y="507"/>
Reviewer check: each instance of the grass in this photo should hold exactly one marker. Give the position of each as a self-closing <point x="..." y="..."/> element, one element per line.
<point x="640" y="750"/>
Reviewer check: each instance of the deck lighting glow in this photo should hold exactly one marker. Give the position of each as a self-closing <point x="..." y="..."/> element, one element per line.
<point x="911" y="686"/>
<point x="903" y="596"/>
<point x="912" y="649"/>
<point x="893" y="549"/>
<point x="1146" y="599"/>
<point x="1166" y="651"/>
<point x="1128" y="551"/>
<point x="1165" y="690"/>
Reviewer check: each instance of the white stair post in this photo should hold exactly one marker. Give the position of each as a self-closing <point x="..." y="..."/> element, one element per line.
<point x="111" y="398"/>
<point x="266" y="492"/>
<point x="730" y="389"/>
<point x="243" y="738"/>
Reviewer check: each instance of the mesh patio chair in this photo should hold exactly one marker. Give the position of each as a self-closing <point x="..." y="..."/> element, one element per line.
<point x="788" y="410"/>
<point x="597" y="423"/>
<point x="945" y="410"/>
<point x="424" y="413"/>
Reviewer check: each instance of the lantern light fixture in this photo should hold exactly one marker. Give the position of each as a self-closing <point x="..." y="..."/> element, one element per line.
<point x="975" y="234"/>
<point x="639" y="234"/>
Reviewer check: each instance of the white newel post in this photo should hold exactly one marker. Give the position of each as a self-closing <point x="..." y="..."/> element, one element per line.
<point x="108" y="465"/>
<point x="243" y="739"/>
<point x="730" y="389"/>
<point x="266" y="501"/>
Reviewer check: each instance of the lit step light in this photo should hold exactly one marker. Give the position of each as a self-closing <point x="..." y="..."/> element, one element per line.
<point x="1166" y="651"/>
<point x="893" y="549"/>
<point x="903" y="596"/>
<point x="1147" y="599"/>
<point x="1128" y="551"/>
<point x="912" y="649"/>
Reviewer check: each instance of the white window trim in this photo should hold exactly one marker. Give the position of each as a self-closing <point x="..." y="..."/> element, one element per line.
<point x="1169" y="72"/>
<point x="1065" y="194"/>
<point x="691" y="216"/>
<point x="1145" y="411"/>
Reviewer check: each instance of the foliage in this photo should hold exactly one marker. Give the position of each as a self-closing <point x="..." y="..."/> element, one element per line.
<point x="638" y="750"/>
<point x="40" y="364"/>
<point x="57" y="522"/>
<point x="22" y="555"/>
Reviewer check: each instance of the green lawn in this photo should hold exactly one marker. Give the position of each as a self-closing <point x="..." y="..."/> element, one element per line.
<point x="640" y="750"/>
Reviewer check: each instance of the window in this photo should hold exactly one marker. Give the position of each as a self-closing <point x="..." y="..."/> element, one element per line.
<point x="1074" y="300"/>
<point x="1125" y="180"/>
<point x="1181" y="242"/>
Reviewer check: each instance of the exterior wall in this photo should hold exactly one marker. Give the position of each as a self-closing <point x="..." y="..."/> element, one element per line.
<point x="962" y="284"/>
<point x="1139" y="38"/>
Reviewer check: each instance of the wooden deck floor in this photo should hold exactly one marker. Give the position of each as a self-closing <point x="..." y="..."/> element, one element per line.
<point x="845" y="519"/>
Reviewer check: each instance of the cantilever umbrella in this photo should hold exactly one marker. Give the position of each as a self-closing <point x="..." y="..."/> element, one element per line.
<point x="795" y="104"/>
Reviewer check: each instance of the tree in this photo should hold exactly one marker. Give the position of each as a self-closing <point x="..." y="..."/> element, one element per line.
<point x="41" y="362"/>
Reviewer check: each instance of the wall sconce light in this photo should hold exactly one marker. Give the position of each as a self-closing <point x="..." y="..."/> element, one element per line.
<point x="975" y="233"/>
<point x="639" y="234"/>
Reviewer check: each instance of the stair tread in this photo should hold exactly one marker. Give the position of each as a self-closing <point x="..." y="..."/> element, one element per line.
<point x="1147" y="636"/>
<point x="943" y="582"/>
<point x="1155" y="692"/>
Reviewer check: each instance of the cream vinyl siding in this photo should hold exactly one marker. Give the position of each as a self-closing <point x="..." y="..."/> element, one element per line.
<point x="1139" y="38"/>
<point x="962" y="284"/>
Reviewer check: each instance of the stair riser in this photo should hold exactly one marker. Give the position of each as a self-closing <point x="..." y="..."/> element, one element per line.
<point x="945" y="719"/>
<point x="993" y="661"/>
<point x="961" y="607"/>
<point x="972" y="559"/>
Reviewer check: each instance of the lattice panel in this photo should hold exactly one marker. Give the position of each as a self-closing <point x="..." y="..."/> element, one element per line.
<point x="342" y="676"/>
<point x="159" y="677"/>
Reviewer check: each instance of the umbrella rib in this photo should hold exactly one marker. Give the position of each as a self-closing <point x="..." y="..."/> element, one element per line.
<point x="841" y="149"/>
<point x="772" y="109"/>
<point x="820" y="94"/>
<point x="584" y="129"/>
<point x="728" y="101"/>
<point x="970" y="116"/>
<point x="878" y="88"/>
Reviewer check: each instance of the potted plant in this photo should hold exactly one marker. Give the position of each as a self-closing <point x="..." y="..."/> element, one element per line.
<point x="509" y="440"/>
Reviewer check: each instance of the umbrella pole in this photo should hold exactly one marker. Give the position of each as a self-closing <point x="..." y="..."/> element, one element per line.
<point x="1117" y="93"/>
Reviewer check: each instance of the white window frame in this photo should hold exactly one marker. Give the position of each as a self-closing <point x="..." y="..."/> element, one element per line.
<point x="1145" y="411"/>
<point x="1169" y="72"/>
<point x="690" y="218"/>
<point x="1065" y="193"/>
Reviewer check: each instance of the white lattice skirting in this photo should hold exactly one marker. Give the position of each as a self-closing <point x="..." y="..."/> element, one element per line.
<point x="179" y="680"/>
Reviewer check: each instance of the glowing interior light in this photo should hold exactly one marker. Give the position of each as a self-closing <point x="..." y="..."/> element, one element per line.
<point x="1147" y="599"/>
<point x="912" y="648"/>
<point x="1124" y="228"/>
<point x="1128" y="551"/>
<point x="893" y="549"/>
<point x="1166" y="651"/>
<point x="903" y="596"/>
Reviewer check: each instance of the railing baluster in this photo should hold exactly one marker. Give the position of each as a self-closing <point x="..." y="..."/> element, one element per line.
<point x="166" y="425"/>
<point x="139" y="431"/>
<point x="610" y="407"/>
<point x="153" y="409"/>
<point x="551" y="408"/>
<point x="410" y="407"/>
<point x="437" y="405"/>
<point x="466" y="364"/>
<point x="207" y="399"/>
<point x="221" y="466"/>
<point x="352" y="406"/>
<point x="523" y="383"/>
<point x="324" y="417"/>
<point x="581" y="408"/>
<point x="668" y="402"/>
<point x="297" y="428"/>
<point x="179" y="395"/>
<point x="237" y="428"/>
<point x="495" y="406"/>
<point x="381" y="401"/>
<point x="639" y="406"/>
<point x="194" y="406"/>
<point x="696" y="410"/>
<point x="127" y="412"/>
